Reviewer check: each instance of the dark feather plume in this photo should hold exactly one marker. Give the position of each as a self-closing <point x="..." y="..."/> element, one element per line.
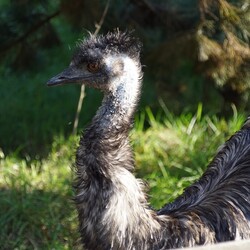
<point x="221" y="197"/>
<point x="116" y="42"/>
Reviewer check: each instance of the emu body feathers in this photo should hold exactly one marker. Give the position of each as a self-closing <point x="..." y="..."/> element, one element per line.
<point x="112" y="206"/>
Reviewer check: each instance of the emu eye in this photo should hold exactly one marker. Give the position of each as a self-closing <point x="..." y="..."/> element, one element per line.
<point x="93" y="67"/>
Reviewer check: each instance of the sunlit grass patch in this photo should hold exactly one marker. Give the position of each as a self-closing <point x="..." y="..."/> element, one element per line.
<point x="35" y="197"/>
<point x="174" y="153"/>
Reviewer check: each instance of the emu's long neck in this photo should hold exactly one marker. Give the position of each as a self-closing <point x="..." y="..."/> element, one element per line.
<point x="110" y="199"/>
<point x="119" y="103"/>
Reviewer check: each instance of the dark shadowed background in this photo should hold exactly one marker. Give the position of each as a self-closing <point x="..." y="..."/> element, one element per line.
<point x="194" y="52"/>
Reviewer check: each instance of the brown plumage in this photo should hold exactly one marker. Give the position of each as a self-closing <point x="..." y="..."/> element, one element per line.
<point x="112" y="206"/>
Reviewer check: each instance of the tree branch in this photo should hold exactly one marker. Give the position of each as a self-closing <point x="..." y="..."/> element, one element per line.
<point x="82" y="93"/>
<point x="29" y="32"/>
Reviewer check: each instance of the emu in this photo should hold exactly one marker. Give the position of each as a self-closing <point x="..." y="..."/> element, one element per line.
<point x="112" y="206"/>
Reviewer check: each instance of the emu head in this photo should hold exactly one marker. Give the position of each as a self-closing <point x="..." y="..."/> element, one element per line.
<point x="98" y="61"/>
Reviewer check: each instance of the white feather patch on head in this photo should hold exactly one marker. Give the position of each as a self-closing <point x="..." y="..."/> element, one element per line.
<point x="126" y="80"/>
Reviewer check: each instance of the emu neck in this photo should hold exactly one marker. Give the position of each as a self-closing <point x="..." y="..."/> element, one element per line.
<point x="110" y="199"/>
<point x="107" y="135"/>
<point x="119" y="103"/>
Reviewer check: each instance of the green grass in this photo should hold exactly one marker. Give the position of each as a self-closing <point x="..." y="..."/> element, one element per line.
<point x="172" y="154"/>
<point x="35" y="198"/>
<point x="35" y="194"/>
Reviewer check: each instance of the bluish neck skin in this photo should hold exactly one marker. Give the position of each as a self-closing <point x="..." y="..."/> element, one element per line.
<point x="112" y="117"/>
<point x="107" y="135"/>
<point x="120" y="100"/>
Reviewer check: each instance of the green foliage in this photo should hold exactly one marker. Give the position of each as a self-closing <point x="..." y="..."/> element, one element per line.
<point x="223" y="39"/>
<point x="36" y="210"/>
<point x="31" y="114"/>
<point x="176" y="151"/>
<point x="35" y="194"/>
<point x="25" y="27"/>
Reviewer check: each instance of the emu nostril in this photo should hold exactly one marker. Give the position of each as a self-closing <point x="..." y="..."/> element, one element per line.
<point x="62" y="78"/>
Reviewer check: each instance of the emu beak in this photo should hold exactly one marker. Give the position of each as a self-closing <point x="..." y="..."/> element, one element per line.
<point x="69" y="75"/>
